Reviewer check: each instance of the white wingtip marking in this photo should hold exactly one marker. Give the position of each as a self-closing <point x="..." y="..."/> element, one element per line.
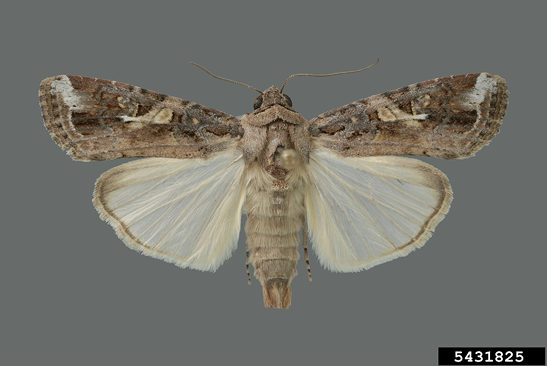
<point x="64" y="87"/>
<point x="483" y="85"/>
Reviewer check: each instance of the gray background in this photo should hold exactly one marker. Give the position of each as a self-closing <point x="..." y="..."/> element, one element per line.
<point x="73" y="294"/>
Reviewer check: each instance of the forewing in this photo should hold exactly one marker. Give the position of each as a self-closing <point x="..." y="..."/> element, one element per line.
<point x="99" y="119"/>
<point x="366" y="211"/>
<point x="451" y="118"/>
<point x="184" y="211"/>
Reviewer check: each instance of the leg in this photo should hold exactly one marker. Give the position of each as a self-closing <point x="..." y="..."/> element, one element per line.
<point x="305" y="245"/>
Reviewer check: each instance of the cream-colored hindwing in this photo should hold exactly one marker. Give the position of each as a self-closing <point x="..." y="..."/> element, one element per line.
<point x="366" y="211"/>
<point x="186" y="212"/>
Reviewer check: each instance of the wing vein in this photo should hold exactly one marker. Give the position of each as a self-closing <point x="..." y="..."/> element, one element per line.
<point x="409" y="195"/>
<point x="370" y="198"/>
<point x="145" y="192"/>
<point x="350" y="188"/>
<point x="333" y="210"/>
<point x="178" y="198"/>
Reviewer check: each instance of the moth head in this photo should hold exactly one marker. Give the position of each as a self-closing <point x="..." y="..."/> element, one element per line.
<point x="258" y="102"/>
<point x="272" y="106"/>
<point x="272" y="96"/>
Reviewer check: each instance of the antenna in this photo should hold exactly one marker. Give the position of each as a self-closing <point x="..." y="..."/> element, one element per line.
<point x="324" y="75"/>
<point x="231" y="81"/>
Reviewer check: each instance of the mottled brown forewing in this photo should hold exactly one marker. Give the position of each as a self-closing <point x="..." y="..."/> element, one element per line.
<point x="99" y="119"/>
<point x="451" y="118"/>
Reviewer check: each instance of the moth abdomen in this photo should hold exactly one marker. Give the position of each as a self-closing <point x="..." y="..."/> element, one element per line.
<point x="274" y="209"/>
<point x="274" y="258"/>
<point x="273" y="242"/>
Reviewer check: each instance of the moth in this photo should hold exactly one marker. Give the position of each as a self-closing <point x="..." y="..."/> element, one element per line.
<point x="338" y="177"/>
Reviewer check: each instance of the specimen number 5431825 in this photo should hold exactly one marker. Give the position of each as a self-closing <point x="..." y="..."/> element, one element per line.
<point x="335" y="176"/>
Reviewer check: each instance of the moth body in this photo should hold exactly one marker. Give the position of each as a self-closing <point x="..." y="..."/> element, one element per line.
<point x="275" y="182"/>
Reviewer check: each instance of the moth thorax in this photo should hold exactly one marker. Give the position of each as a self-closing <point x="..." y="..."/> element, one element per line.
<point x="289" y="159"/>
